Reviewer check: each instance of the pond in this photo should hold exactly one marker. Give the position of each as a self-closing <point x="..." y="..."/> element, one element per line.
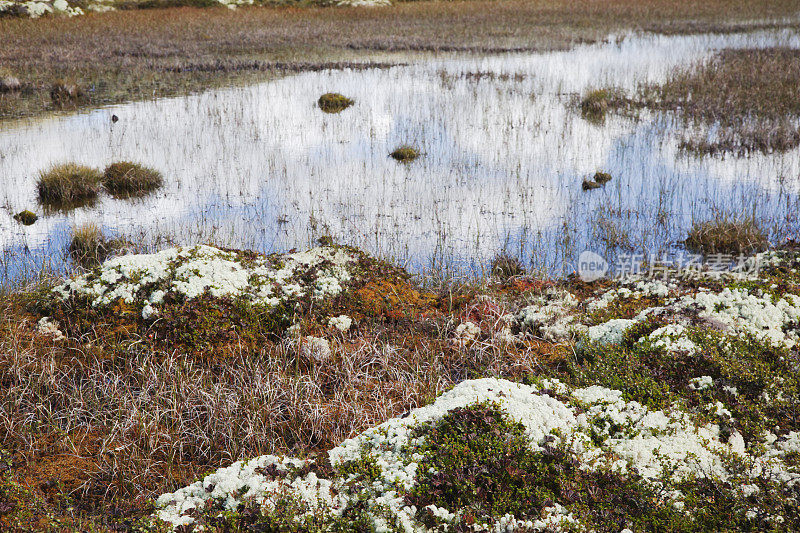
<point x="504" y="153"/>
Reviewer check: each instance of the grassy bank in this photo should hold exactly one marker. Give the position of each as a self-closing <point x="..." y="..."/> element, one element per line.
<point x="136" y="54"/>
<point x="747" y="95"/>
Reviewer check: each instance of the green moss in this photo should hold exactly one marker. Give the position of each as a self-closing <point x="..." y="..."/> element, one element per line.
<point x="26" y="217"/>
<point x="478" y="460"/>
<point x="764" y="376"/>
<point x="480" y="463"/>
<point x="205" y="324"/>
<point x="405" y="154"/>
<point x="623" y="307"/>
<point x="334" y="102"/>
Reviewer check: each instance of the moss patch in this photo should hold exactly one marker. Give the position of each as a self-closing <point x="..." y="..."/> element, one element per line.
<point x="405" y="154"/>
<point x="334" y="102"/>
<point x="26" y="217"/>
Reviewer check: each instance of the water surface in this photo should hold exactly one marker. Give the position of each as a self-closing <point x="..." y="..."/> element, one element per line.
<point x="504" y="155"/>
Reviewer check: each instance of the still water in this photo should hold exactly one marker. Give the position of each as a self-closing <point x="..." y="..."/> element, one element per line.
<point x="504" y="154"/>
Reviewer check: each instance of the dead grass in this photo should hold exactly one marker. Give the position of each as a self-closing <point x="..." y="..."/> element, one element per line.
<point x="727" y="235"/>
<point x="68" y="185"/>
<point x="186" y="49"/>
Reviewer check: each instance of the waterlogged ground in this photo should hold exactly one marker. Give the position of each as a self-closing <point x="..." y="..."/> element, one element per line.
<point x="504" y="153"/>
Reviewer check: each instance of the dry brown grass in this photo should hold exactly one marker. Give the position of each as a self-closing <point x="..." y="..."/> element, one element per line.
<point x="751" y="94"/>
<point x="727" y="235"/>
<point x="137" y="422"/>
<point x="68" y="185"/>
<point x="185" y="49"/>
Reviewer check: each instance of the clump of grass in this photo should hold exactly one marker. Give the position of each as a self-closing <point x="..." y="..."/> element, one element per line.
<point x="588" y="185"/>
<point x="66" y="93"/>
<point x="68" y="185"/>
<point x="594" y="105"/>
<point x="88" y="245"/>
<point x="334" y="102"/>
<point x="505" y="266"/>
<point x="26" y="217"/>
<point x="405" y="153"/>
<point x="727" y="235"/>
<point x="125" y="179"/>
<point x="9" y="83"/>
<point x="602" y="177"/>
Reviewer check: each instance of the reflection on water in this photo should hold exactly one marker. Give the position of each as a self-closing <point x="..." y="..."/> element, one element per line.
<point x="504" y="155"/>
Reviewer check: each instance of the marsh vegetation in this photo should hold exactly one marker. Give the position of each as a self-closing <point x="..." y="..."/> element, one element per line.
<point x="167" y="355"/>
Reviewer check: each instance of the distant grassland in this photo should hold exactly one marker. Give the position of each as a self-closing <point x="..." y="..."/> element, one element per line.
<point x="135" y="54"/>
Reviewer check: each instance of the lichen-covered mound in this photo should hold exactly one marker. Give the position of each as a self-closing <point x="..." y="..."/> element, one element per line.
<point x="492" y="455"/>
<point x="197" y="295"/>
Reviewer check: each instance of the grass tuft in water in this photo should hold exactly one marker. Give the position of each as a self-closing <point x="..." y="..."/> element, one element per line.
<point x="68" y="185"/>
<point x="66" y="93"/>
<point x="727" y="235"/>
<point x="505" y="266"/>
<point x="602" y="177"/>
<point x="334" y="102"/>
<point x="405" y="154"/>
<point x="588" y="185"/>
<point x="26" y="217"/>
<point x="88" y="245"/>
<point x="126" y="179"/>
